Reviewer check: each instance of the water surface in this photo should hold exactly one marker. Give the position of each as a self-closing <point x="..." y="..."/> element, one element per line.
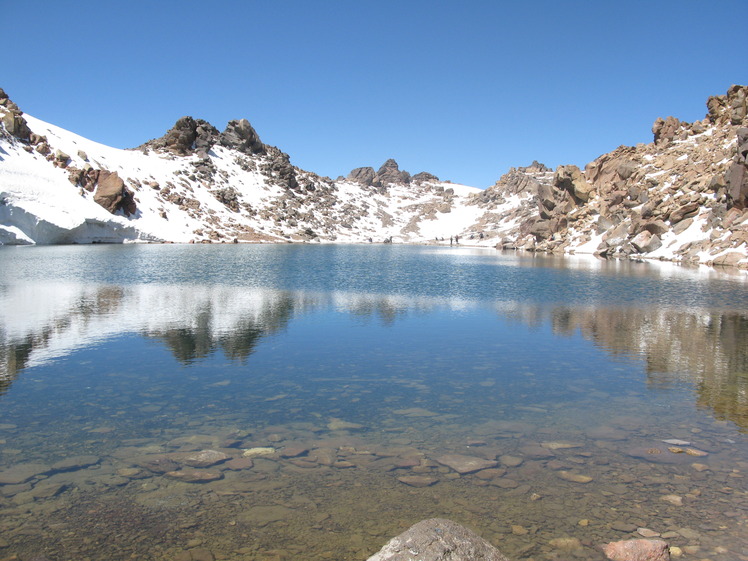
<point x="344" y="389"/>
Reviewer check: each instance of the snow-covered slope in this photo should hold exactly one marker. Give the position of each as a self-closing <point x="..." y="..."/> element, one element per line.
<point x="683" y="197"/>
<point x="221" y="196"/>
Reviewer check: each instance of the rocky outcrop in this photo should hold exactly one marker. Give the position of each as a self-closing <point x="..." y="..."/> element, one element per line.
<point x="12" y="118"/>
<point x="363" y="176"/>
<point x="682" y="197"/>
<point x="424" y="177"/>
<point x="438" y="539"/>
<point x="736" y="178"/>
<point x="195" y="136"/>
<point x="638" y="200"/>
<point x="390" y="173"/>
<point x="187" y="136"/>
<point x="112" y="194"/>
<point x="240" y="136"/>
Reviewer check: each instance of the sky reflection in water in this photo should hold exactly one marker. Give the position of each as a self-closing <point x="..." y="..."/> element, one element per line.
<point x="145" y="342"/>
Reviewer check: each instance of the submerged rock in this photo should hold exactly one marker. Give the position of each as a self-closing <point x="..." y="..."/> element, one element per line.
<point x="466" y="464"/>
<point x="205" y="458"/>
<point x="637" y="550"/>
<point x="438" y="539"/>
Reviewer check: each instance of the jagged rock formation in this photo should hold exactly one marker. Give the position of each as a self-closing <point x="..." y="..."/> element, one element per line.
<point x="683" y="197"/>
<point x="389" y="174"/>
<point x="12" y="118"/>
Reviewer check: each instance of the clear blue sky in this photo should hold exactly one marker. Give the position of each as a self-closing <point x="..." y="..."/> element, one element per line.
<point x="462" y="89"/>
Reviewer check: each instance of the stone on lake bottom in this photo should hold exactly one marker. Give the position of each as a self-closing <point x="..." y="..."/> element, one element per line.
<point x="294" y="451"/>
<point x="438" y="539"/>
<point x="21" y="473"/>
<point x="340" y="424"/>
<point x="258" y="451"/>
<point x="239" y="463"/>
<point x="194" y="476"/>
<point x="574" y="477"/>
<point x="637" y="550"/>
<point x="673" y="500"/>
<point x="511" y="461"/>
<point x="205" y="458"/>
<point x="466" y="464"/>
<point x="560" y="445"/>
<point x="75" y="463"/>
<point x="417" y="480"/>
<point x="566" y="544"/>
<point x="536" y="452"/>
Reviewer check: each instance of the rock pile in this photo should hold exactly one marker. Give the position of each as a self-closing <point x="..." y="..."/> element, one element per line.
<point x="388" y="174"/>
<point x="12" y="118"/>
<point x="636" y="200"/>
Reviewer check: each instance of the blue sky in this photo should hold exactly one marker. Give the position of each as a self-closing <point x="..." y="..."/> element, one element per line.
<point x="463" y="90"/>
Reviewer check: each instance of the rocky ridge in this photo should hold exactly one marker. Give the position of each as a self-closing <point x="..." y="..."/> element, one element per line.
<point x="640" y="200"/>
<point x="683" y="197"/>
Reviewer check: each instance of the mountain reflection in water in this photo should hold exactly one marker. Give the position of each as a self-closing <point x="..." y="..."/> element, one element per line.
<point x="42" y="322"/>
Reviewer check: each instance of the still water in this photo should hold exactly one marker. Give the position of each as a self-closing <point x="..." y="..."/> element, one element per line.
<point x="283" y="402"/>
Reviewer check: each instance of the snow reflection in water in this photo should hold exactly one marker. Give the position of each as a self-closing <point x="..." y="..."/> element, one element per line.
<point x="359" y="409"/>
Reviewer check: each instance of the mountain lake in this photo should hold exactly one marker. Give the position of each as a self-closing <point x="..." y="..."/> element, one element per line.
<point x="278" y="402"/>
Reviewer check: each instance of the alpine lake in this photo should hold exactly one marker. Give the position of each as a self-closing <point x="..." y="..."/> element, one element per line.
<point x="283" y="402"/>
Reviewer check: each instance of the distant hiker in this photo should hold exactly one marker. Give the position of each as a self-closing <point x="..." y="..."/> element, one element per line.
<point x="450" y="240"/>
<point x="481" y="235"/>
<point x="457" y="239"/>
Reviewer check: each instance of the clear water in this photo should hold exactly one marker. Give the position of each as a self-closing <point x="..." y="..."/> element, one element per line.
<point x="362" y="369"/>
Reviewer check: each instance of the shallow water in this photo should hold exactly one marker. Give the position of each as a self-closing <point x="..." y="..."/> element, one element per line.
<point x="338" y="383"/>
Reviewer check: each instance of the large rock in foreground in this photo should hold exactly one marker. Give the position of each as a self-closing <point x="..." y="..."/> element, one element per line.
<point x="438" y="539"/>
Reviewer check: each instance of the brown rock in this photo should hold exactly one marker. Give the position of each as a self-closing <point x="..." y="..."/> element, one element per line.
<point x="418" y="480"/>
<point x="645" y="242"/>
<point x="466" y="464"/>
<point x="239" y="463"/>
<point x="194" y="476"/>
<point x="664" y="129"/>
<point x="21" y="473"/>
<point x="686" y="211"/>
<point x="112" y="194"/>
<point x="205" y="458"/>
<point x="637" y="550"/>
<point x="75" y="463"/>
<point x="570" y="179"/>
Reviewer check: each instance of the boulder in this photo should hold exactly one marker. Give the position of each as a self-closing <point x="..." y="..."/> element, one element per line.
<point x="664" y="130"/>
<point x="364" y="176"/>
<point x="686" y="211"/>
<point x="570" y="179"/>
<point x="637" y="550"/>
<point x="424" y="176"/>
<point x="12" y="118"/>
<point x="205" y="458"/>
<point x="645" y="242"/>
<point x="438" y="539"/>
<point x="112" y="194"/>
<point x="736" y="177"/>
<point x="187" y="136"/>
<point x="240" y="136"/>
<point x="466" y="464"/>
<point x="390" y="173"/>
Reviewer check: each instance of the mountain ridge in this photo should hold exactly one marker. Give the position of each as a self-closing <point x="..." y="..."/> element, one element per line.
<point x="683" y="197"/>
